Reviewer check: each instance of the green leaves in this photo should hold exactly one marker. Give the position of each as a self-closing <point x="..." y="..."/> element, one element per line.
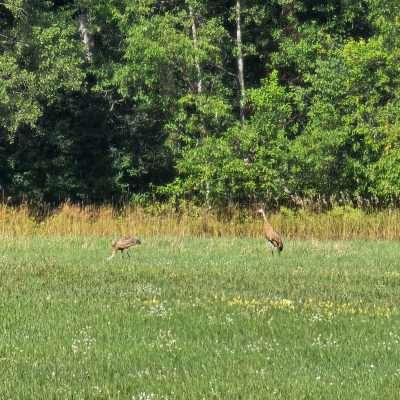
<point x="245" y="163"/>
<point x="44" y="62"/>
<point x="157" y="107"/>
<point x="17" y="106"/>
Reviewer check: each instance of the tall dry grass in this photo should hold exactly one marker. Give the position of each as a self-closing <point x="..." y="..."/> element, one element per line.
<point x="72" y="220"/>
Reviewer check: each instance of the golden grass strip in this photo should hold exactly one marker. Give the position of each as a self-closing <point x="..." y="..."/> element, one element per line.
<point x="340" y="223"/>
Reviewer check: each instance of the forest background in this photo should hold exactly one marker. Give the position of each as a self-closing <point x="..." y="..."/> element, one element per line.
<point x="212" y="102"/>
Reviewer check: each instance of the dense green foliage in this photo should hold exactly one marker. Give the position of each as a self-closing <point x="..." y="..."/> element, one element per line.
<point x="199" y="318"/>
<point x="147" y="108"/>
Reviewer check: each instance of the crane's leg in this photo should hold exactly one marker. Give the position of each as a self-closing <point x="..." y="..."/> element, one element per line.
<point x="112" y="256"/>
<point x="271" y="247"/>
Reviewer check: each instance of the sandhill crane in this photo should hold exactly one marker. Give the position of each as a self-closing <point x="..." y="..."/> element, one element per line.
<point x="123" y="244"/>
<point x="273" y="238"/>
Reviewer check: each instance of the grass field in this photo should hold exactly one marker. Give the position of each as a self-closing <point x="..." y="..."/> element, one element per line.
<point x="184" y="318"/>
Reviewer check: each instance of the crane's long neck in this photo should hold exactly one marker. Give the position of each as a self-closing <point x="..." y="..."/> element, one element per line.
<point x="264" y="217"/>
<point x="266" y="223"/>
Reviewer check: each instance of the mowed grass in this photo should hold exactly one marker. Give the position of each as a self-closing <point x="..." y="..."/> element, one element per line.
<point x="191" y="318"/>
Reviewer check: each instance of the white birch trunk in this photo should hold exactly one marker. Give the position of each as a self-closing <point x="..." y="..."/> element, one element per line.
<point x="240" y="60"/>
<point x="195" y="45"/>
<point x="86" y="35"/>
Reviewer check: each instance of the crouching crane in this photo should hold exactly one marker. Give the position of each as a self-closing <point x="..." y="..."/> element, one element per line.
<point x="273" y="238"/>
<point x="123" y="244"/>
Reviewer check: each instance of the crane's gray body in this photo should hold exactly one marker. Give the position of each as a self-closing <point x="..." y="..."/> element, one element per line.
<point x="123" y="244"/>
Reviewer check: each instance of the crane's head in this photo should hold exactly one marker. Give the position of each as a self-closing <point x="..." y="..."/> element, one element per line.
<point x="261" y="212"/>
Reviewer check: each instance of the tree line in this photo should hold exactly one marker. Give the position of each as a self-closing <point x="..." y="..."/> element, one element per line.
<point x="206" y="101"/>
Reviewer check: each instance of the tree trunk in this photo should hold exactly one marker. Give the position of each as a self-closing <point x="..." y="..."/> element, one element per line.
<point x="199" y="91"/>
<point x="195" y="45"/>
<point x="86" y="36"/>
<point x="240" y="60"/>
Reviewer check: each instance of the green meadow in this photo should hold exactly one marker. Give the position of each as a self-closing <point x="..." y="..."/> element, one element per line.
<point x="199" y="318"/>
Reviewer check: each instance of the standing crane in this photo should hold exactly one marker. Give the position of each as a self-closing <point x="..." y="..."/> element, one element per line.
<point x="272" y="237"/>
<point x="123" y="244"/>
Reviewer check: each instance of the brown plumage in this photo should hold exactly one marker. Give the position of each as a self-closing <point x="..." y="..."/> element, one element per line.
<point x="123" y="244"/>
<point x="272" y="237"/>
